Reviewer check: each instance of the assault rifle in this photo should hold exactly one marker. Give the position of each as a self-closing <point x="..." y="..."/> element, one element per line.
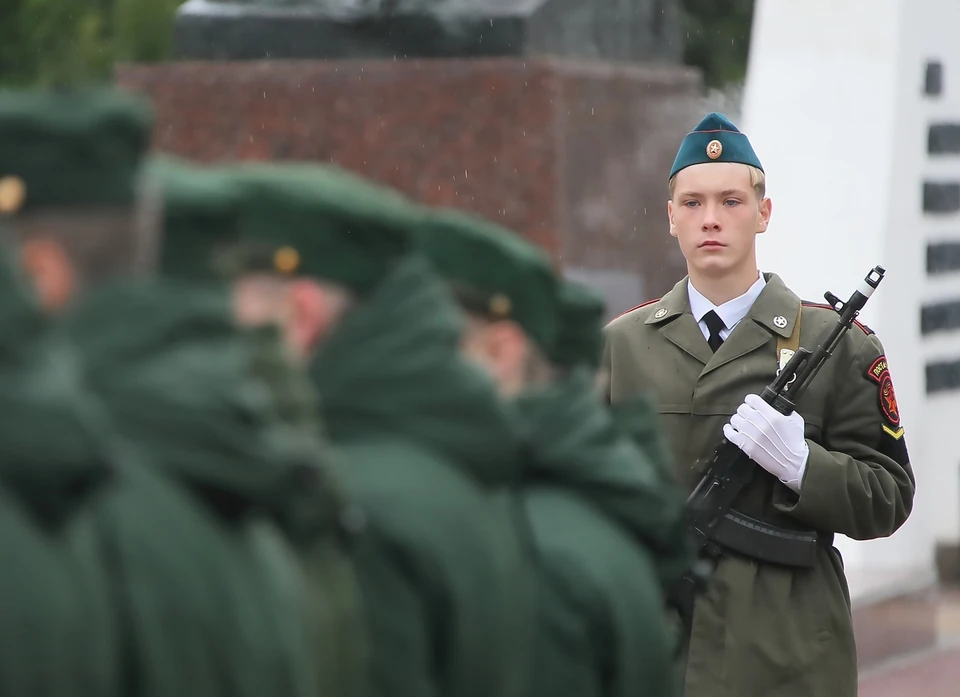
<point x="711" y="523"/>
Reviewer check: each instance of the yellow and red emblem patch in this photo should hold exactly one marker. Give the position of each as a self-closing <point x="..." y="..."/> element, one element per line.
<point x="879" y="373"/>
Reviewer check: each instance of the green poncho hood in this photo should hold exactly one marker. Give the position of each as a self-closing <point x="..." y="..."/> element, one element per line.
<point x="174" y="373"/>
<point x="52" y="445"/>
<point x="392" y="367"/>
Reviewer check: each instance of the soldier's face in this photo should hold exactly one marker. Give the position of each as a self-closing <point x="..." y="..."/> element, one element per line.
<point x="499" y="349"/>
<point x="715" y="215"/>
<point x="305" y="310"/>
<point x="258" y="300"/>
<point x="49" y="269"/>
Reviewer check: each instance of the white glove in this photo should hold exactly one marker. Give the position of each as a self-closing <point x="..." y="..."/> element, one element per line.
<point x="772" y="440"/>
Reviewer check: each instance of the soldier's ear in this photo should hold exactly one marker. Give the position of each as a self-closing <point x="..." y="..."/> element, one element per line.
<point x="763" y="215"/>
<point x="673" y="223"/>
<point x="506" y="346"/>
<point x="48" y="267"/>
<point x="309" y="316"/>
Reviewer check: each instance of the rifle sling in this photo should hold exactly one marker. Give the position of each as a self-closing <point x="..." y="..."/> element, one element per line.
<point x="754" y="538"/>
<point x="787" y="347"/>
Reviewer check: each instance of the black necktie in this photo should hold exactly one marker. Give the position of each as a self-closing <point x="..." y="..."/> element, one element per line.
<point x="714" y="324"/>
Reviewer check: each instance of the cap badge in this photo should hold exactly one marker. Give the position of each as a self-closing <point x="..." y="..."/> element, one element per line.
<point x="714" y="149"/>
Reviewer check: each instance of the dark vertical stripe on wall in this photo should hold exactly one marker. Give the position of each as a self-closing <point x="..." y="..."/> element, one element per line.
<point x="933" y="79"/>
<point x="943" y="376"/>
<point x="941" y="197"/>
<point x="943" y="257"/>
<point x="940" y="317"/>
<point x="943" y="139"/>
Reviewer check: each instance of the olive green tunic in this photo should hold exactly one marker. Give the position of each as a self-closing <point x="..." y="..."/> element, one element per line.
<point x="761" y="629"/>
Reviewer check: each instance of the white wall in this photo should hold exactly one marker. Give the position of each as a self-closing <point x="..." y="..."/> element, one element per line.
<point x="835" y="109"/>
<point x="940" y="40"/>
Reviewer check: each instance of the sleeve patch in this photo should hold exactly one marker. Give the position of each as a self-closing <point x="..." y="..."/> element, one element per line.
<point x="879" y="373"/>
<point x="894" y="446"/>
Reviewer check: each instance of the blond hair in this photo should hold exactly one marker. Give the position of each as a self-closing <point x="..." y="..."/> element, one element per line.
<point x="758" y="182"/>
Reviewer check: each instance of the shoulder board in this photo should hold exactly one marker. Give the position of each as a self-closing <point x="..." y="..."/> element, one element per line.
<point x="649" y="302"/>
<point x="823" y="306"/>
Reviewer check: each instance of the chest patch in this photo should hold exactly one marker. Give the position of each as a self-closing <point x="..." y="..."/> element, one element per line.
<point x="879" y="373"/>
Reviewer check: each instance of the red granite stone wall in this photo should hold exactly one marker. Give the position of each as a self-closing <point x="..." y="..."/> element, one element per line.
<point x="572" y="155"/>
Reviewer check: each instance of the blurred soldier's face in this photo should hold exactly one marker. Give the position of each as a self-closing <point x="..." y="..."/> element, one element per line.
<point x="65" y="252"/>
<point x="715" y="214"/>
<point x="259" y="300"/>
<point x="305" y="311"/>
<point x="48" y="267"/>
<point x="500" y="349"/>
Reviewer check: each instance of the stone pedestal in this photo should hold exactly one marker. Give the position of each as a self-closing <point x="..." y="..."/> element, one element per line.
<point x="573" y="155"/>
<point x="621" y="30"/>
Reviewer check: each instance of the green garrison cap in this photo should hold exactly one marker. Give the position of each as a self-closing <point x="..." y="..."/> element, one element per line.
<point x="201" y="216"/>
<point x="71" y="148"/>
<point x="714" y="139"/>
<point x="322" y="221"/>
<point x="494" y="272"/>
<point x="580" y="338"/>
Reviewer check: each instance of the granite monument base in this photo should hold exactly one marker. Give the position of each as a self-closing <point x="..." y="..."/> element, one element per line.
<point x="573" y="155"/>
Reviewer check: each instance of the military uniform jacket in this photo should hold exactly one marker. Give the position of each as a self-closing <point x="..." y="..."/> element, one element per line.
<point x="209" y="597"/>
<point x="762" y="629"/>
<point x="602" y="519"/>
<point x="58" y="633"/>
<point x="429" y="455"/>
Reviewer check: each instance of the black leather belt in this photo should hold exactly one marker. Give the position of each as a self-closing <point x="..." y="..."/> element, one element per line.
<point x="758" y="540"/>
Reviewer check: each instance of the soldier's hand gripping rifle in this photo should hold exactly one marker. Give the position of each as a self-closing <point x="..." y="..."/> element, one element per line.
<point x="730" y="469"/>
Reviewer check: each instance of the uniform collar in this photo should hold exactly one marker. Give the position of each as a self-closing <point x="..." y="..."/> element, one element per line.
<point x="775" y="307"/>
<point x="732" y="311"/>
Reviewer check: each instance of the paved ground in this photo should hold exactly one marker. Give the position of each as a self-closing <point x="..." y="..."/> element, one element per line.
<point x="932" y="675"/>
<point x="935" y="673"/>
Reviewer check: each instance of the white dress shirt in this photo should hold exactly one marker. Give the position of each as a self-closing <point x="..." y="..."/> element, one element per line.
<point x="731" y="312"/>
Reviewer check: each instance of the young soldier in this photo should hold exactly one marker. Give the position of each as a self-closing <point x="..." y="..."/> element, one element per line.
<point x="579" y="347"/>
<point x="777" y="623"/>
<point x="205" y="594"/>
<point x="601" y="518"/>
<point x="58" y="631"/>
<point x="426" y="451"/>
<point x="201" y="216"/>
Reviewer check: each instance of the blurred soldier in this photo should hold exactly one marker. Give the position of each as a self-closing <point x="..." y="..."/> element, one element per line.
<point x="778" y="622"/>
<point x="207" y="595"/>
<point x="579" y="346"/>
<point x="58" y="633"/>
<point x="201" y="215"/>
<point x="427" y="451"/>
<point x="598" y="510"/>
